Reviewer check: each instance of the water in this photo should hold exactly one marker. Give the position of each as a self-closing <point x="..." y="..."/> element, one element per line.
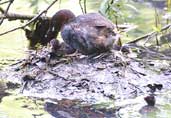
<point x="3" y="114"/>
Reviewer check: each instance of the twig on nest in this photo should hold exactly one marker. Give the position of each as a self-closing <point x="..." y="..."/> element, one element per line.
<point x="149" y="34"/>
<point x="32" y="20"/>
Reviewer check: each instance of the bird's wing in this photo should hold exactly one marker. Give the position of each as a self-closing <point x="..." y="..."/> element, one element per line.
<point x="94" y="19"/>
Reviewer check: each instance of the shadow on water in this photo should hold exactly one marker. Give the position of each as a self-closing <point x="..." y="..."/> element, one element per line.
<point x="73" y="109"/>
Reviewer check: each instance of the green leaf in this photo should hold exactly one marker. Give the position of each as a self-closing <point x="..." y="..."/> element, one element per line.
<point x="158" y="28"/>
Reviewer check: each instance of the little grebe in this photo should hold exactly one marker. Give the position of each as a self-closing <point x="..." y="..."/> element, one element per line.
<point x="89" y="33"/>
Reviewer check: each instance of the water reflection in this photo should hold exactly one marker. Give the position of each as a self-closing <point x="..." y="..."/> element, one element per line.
<point x="74" y="109"/>
<point x="149" y="111"/>
<point x="139" y="109"/>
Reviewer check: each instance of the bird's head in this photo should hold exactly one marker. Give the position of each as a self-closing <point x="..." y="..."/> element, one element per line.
<point x="57" y="22"/>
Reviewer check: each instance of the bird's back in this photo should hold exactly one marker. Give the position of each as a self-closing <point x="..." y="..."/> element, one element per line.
<point x="89" y="33"/>
<point x="93" y="19"/>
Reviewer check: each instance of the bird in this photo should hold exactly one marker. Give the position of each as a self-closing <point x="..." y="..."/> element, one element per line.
<point x="57" y="48"/>
<point x="88" y="33"/>
<point x="150" y="100"/>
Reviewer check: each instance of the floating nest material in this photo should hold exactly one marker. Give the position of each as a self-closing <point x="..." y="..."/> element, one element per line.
<point x="109" y="76"/>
